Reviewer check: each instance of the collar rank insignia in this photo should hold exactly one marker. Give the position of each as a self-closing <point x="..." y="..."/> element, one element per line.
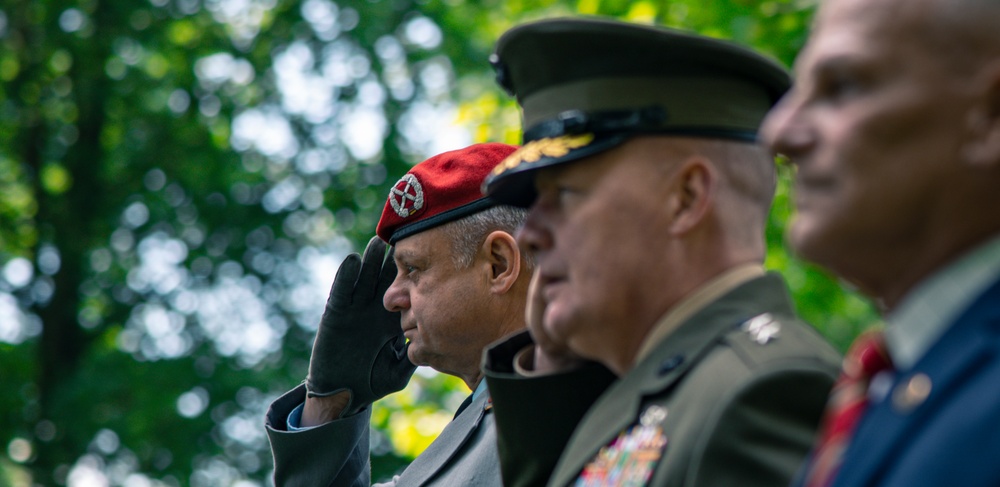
<point x="407" y="196"/>
<point x="631" y="458"/>
<point x="762" y="328"/>
<point x="547" y="147"/>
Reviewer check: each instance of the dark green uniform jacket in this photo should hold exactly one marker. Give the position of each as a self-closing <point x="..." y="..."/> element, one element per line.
<point x="741" y="403"/>
<point x="336" y="453"/>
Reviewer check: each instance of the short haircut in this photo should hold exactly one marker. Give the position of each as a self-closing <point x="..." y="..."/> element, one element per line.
<point x="749" y="171"/>
<point x="468" y="233"/>
<point x="746" y="170"/>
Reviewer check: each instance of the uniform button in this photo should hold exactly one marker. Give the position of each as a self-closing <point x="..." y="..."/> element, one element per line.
<point x="653" y="415"/>
<point x="670" y="364"/>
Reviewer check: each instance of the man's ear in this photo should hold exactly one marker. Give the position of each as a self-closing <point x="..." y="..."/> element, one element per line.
<point x="983" y="148"/>
<point x="504" y="257"/>
<point x="691" y="190"/>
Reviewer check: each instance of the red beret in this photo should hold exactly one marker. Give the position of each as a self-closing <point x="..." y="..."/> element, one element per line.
<point x="441" y="189"/>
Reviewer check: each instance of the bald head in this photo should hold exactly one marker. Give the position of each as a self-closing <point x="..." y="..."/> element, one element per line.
<point x="962" y="33"/>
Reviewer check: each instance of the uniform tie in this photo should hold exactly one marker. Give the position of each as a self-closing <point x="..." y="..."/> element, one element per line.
<point x="848" y="400"/>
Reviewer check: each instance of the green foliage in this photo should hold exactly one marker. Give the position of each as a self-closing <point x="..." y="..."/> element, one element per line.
<point x="837" y="312"/>
<point x="179" y="179"/>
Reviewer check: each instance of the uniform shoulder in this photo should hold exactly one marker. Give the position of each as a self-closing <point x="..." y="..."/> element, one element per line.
<point x="770" y="339"/>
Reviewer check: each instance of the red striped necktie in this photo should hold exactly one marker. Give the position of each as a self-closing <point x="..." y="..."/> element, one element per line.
<point x="848" y="400"/>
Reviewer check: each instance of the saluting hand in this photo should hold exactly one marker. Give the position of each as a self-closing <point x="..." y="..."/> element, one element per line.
<point x="360" y="347"/>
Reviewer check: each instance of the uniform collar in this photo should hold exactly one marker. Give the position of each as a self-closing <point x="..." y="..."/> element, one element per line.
<point x="695" y="302"/>
<point x="927" y="311"/>
<point x="480" y="389"/>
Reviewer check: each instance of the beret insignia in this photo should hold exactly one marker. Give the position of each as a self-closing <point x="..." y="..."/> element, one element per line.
<point x="407" y="196"/>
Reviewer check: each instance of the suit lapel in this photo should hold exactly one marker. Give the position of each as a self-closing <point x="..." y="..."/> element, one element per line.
<point x="619" y="407"/>
<point x="887" y="428"/>
<point x="447" y="444"/>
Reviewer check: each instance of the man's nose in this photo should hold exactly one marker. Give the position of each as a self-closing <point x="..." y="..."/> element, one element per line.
<point x="785" y="129"/>
<point x="396" y="298"/>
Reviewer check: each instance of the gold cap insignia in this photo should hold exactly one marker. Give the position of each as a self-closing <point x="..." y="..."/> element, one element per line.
<point x="547" y="147"/>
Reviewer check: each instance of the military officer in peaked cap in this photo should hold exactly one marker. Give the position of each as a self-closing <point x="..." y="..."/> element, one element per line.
<point x="660" y="351"/>
<point x="454" y="281"/>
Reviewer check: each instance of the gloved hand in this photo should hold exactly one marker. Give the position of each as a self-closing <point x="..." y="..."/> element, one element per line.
<point x="360" y="345"/>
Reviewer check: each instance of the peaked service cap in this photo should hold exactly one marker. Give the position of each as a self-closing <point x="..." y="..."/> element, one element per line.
<point x="441" y="189"/>
<point x="585" y="85"/>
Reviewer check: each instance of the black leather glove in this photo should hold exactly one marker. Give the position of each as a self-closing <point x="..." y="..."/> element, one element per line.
<point x="360" y="345"/>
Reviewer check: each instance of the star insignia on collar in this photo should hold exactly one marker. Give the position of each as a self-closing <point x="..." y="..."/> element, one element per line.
<point x="762" y="328"/>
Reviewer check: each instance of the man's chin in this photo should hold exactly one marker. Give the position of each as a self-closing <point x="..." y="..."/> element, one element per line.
<point x="556" y="324"/>
<point x="413" y="353"/>
<point x="801" y="236"/>
<point x="562" y="325"/>
<point x="812" y="244"/>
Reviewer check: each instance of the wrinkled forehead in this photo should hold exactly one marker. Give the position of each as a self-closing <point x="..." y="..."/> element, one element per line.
<point x="872" y="17"/>
<point x="421" y="244"/>
<point x="864" y="28"/>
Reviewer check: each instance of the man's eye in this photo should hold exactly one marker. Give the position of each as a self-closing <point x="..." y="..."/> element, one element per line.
<point x="557" y="196"/>
<point x="404" y="269"/>
<point x="567" y="195"/>
<point x="840" y="86"/>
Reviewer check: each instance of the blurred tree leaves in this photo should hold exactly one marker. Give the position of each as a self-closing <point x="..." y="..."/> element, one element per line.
<point x="180" y="178"/>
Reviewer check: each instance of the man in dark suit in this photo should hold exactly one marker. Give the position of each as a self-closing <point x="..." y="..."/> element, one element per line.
<point x="460" y="284"/>
<point x="647" y="202"/>
<point x="894" y="127"/>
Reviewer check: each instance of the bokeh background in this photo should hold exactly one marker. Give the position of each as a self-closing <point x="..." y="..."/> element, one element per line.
<point x="179" y="180"/>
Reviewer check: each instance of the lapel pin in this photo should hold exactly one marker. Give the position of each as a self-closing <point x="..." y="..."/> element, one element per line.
<point x="911" y="393"/>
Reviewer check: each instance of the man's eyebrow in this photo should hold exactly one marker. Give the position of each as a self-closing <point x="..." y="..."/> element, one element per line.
<point x="841" y="61"/>
<point x="406" y="255"/>
<point x="835" y="62"/>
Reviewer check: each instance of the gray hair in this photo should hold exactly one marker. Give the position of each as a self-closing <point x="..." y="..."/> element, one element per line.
<point x="468" y="233"/>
